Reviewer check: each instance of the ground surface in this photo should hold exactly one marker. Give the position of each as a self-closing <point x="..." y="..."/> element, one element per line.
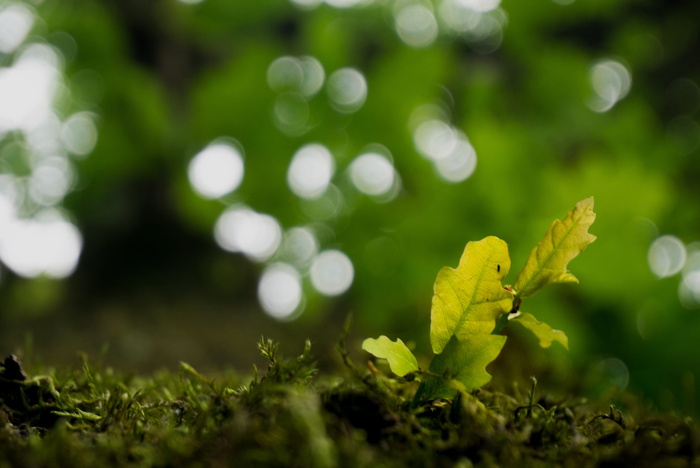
<point x="290" y="415"/>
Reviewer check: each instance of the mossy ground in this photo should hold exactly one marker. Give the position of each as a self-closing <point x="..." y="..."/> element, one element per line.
<point x="292" y="416"/>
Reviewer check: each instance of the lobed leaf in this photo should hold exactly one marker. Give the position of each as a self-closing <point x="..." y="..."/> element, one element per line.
<point x="401" y="359"/>
<point x="463" y="365"/>
<point x="544" y="333"/>
<point x="468" y="300"/>
<point x="563" y="241"/>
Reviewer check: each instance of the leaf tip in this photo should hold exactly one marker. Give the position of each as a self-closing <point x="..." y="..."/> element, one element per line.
<point x="587" y="202"/>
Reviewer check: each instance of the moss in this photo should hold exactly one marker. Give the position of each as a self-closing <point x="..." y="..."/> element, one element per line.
<point x="291" y="416"/>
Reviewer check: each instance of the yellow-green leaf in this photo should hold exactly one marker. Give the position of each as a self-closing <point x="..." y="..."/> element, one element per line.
<point x="564" y="240"/>
<point x="468" y="300"/>
<point x="401" y="359"/>
<point x="462" y="366"/>
<point x="544" y="333"/>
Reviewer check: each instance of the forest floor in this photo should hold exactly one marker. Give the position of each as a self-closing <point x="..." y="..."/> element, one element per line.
<point x="293" y="415"/>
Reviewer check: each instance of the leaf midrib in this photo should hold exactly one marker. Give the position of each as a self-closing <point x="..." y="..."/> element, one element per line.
<point x="463" y="317"/>
<point x="555" y="247"/>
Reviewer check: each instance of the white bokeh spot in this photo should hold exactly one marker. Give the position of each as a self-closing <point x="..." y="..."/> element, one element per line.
<point x="372" y="174"/>
<point x="279" y="291"/>
<point x="347" y="90"/>
<point x="253" y="234"/>
<point x="310" y="171"/>
<point x="332" y="273"/>
<point x="667" y="255"/>
<point x="216" y="170"/>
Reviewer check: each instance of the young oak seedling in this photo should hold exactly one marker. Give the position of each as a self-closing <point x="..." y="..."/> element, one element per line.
<point x="470" y="306"/>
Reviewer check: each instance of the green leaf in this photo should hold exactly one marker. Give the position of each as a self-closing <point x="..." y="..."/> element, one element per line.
<point x="468" y="300"/>
<point x="463" y="366"/>
<point x="401" y="359"/>
<point x="541" y="330"/>
<point x="564" y="240"/>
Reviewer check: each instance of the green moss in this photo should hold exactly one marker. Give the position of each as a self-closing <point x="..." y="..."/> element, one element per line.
<point x="290" y="416"/>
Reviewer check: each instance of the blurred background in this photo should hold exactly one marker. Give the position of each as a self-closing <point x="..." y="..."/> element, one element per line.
<point x="178" y="178"/>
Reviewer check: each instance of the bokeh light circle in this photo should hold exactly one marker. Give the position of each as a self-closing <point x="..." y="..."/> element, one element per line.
<point x="481" y="6"/>
<point x="310" y="171"/>
<point x="285" y="74"/>
<point x="689" y="287"/>
<point x="434" y="139"/>
<point x="241" y="229"/>
<point x="313" y="76"/>
<point x="611" y="81"/>
<point x="300" y="246"/>
<point x="372" y="174"/>
<point x="28" y="88"/>
<point x="307" y="4"/>
<point x="332" y="273"/>
<point x="79" y="133"/>
<point x="347" y="89"/>
<point x="216" y="170"/>
<point x="666" y="256"/>
<point x="16" y="21"/>
<point x="303" y="75"/>
<point x="459" y="164"/>
<point x="279" y="290"/>
<point x="345" y="3"/>
<point x="50" y="181"/>
<point x="47" y="244"/>
<point x="416" y="25"/>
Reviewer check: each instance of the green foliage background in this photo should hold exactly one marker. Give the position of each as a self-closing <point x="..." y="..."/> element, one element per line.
<point x="166" y="78"/>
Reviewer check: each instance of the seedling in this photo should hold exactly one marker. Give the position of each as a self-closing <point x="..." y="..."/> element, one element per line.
<point x="471" y="305"/>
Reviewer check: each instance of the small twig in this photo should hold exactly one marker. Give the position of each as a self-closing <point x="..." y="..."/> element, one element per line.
<point x="530" y="401"/>
<point x="615" y="416"/>
<point x="531" y="396"/>
<point x="342" y="350"/>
